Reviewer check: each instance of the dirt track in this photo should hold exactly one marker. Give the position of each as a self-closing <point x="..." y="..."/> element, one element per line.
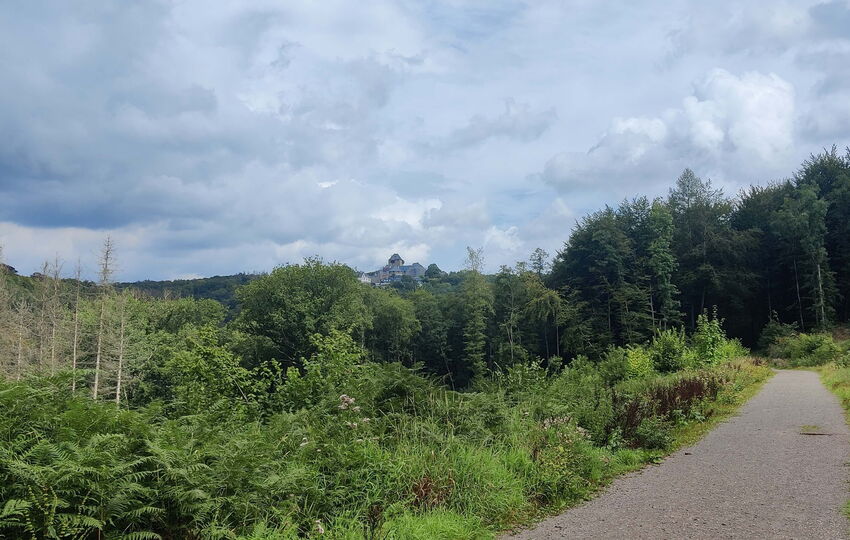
<point x="755" y="476"/>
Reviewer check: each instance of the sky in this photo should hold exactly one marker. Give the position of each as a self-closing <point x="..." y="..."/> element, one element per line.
<point x="219" y="137"/>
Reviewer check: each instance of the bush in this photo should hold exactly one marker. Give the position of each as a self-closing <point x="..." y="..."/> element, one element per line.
<point x="732" y="349"/>
<point x="709" y="339"/>
<point x="654" y="433"/>
<point x="581" y="394"/>
<point x="667" y="350"/>
<point x="806" y="350"/>
<point x="639" y="363"/>
<point x="614" y="366"/>
<point x="773" y="332"/>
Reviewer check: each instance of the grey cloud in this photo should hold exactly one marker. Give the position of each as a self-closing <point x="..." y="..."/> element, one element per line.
<point x="458" y="215"/>
<point x="517" y="122"/>
<point x="215" y="137"/>
<point x="832" y="19"/>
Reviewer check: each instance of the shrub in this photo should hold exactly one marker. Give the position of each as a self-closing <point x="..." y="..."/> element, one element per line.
<point x="732" y="349"/>
<point x="654" y="433"/>
<point x="804" y="350"/>
<point x="667" y="350"/>
<point x="566" y="464"/>
<point x="580" y="393"/>
<point x="639" y="363"/>
<point x="614" y="366"/>
<point x="521" y="379"/>
<point x="774" y="331"/>
<point x="708" y="339"/>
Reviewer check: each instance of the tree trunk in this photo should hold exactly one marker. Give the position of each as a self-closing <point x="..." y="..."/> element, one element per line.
<point x="120" y="357"/>
<point x="99" y="349"/>
<point x="53" y="347"/>
<point x="75" y="341"/>
<point x="799" y="300"/>
<point x="652" y="307"/>
<point x="822" y="301"/>
<point x="20" y="344"/>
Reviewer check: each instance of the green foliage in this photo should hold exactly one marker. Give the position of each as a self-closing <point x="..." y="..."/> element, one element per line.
<point x="805" y="350"/>
<point x="668" y="350"/>
<point x="438" y="523"/>
<point x="204" y="372"/>
<point x="477" y="300"/>
<point x="174" y="315"/>
<point x="394" y="325"/>
<point x="773" y="332"/>
<point x="709" y="340"/>
<point x="653" y="432"/>
<point x="335" y="369"/>
<point x="639" y="362"/>
<point x="358" y="449"/>
<point x="283" y="309"/>
<point x="614" y="366"/>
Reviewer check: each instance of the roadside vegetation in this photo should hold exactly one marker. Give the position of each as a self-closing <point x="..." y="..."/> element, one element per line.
<point x="349" y="449"/>
<point x="303" y="403"/>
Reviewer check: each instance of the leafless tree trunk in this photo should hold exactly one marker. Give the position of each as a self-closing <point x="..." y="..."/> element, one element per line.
<point x="120" y="353"/>
<point x="822" y="301"/>
<point x="106" y="255"/>
<point x="55" y="307"/>
<point x="76" y="336"/>
<point x="99" y="352"/>
<point x="799" y="301"/>
<point x="20" y="362"/>
<point x="42" y="314"/>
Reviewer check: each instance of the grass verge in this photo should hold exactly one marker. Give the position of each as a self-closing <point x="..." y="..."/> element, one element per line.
<point x="750" y="375"/>
<point x="837" y="380"/>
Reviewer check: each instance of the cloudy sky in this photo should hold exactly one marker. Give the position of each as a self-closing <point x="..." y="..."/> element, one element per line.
<point x="218" y="137"/>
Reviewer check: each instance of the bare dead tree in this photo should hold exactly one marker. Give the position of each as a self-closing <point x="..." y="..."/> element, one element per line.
<point x="121" y="345"/>
<point x="43" y="301"/>
<point x="75" y="340"/>
<point x="107" y="255"/>
<point x="55" y="309"/>
<point x="22" y="327"/>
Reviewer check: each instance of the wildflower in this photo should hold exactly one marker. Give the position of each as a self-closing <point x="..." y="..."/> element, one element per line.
<point x="365" y="420"/>
<point x="319" y="526"/>
<point x="352" y="425"/>
<point x="355" y="409"/>
<point x="345" y="401"/>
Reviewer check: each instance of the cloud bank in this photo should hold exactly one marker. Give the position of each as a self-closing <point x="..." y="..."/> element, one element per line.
<point x="222" y="137"/>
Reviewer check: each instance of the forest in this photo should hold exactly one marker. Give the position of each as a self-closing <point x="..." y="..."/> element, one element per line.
<point x="303" y="403"/>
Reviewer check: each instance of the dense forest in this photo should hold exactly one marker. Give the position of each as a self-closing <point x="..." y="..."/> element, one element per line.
<point x="303" y="401"/>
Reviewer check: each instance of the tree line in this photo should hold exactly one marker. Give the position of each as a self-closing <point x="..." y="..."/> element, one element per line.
<point x="776" y="252"/>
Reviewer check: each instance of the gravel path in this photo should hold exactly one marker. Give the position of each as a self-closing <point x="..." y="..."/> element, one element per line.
<point x="754" y="476"/>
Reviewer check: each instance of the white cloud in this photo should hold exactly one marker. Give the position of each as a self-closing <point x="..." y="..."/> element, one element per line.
<point x="730" y="124"/>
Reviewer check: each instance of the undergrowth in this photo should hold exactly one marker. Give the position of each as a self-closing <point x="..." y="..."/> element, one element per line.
<point x="348" y="449"/>
<point x="432" y="464"/>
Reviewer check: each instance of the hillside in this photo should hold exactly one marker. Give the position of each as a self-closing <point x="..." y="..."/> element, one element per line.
<point x="219" y="288"/>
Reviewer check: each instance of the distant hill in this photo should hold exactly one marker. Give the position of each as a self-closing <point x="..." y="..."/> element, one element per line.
<point x="219" y="288"/>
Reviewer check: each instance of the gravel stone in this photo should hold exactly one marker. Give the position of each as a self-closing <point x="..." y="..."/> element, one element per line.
<point x="755" y="476"/>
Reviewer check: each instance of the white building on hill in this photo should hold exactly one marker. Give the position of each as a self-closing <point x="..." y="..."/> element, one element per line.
<point x="395" y="270"/>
